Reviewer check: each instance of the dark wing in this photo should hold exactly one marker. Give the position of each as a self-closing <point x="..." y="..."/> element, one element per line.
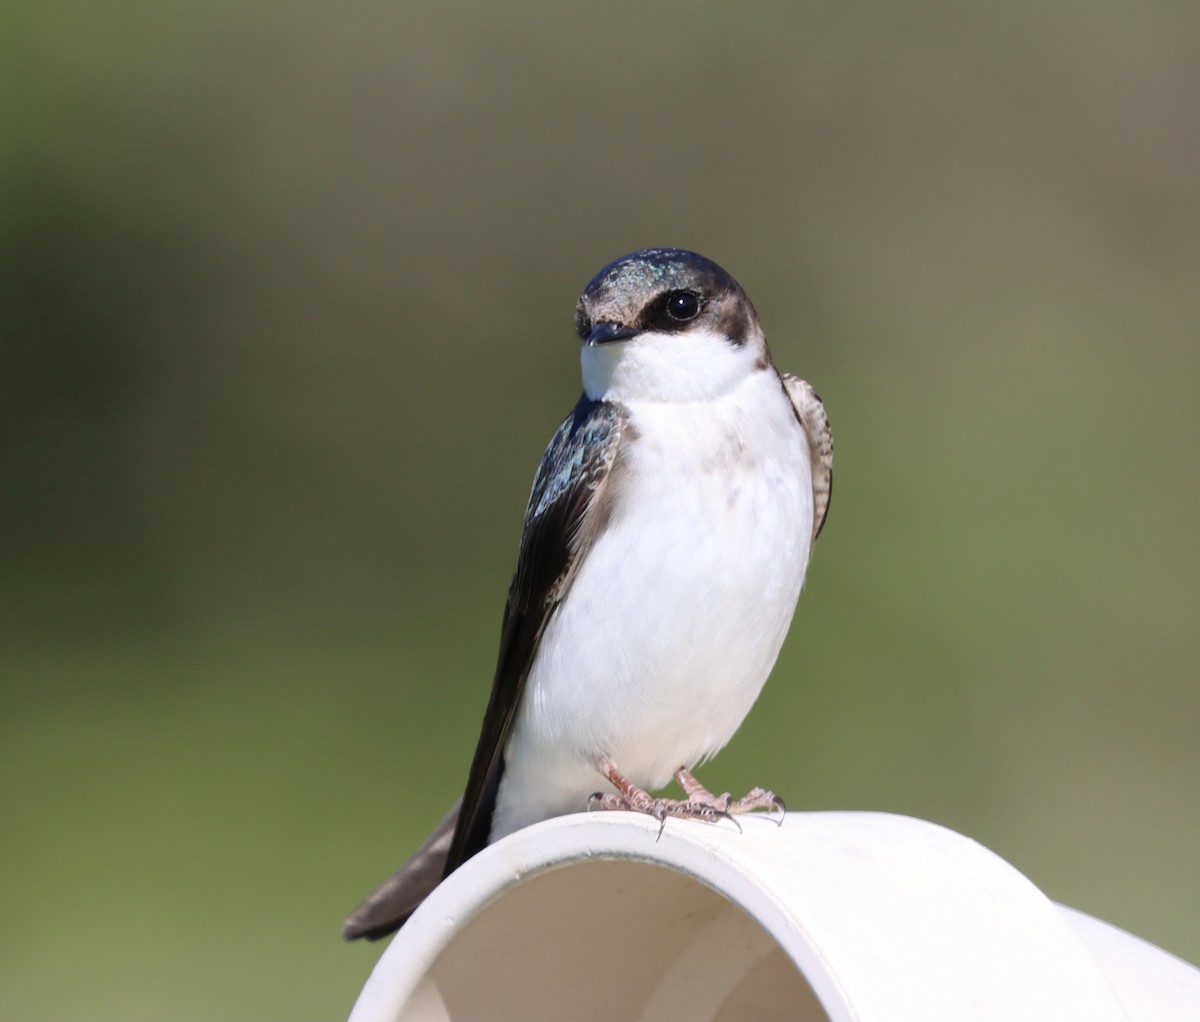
<point x="570" y="502"/>
<point x="811" y="413"/>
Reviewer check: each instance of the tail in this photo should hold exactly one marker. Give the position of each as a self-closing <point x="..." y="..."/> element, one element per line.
<point x="389" y="907"/>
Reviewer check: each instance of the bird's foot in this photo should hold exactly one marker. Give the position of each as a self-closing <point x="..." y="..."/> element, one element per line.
<point x="639" y="801"/>
<point x="700" y="804"/>
<point x="755" y="798"/>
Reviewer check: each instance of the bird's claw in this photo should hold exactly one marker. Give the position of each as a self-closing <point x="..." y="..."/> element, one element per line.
<point x="662" y="808"/>
<point x="699" y="803"/>
<point x="756" y="798"/>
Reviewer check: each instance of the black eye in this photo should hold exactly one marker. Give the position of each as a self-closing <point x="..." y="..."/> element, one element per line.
<point x="682" y="306"/>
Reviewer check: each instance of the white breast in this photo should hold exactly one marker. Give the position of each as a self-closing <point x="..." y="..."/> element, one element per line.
<point x="678" y="612"/>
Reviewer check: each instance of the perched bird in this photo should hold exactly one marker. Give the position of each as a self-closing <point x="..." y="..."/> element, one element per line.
<point x="665" y="545"/>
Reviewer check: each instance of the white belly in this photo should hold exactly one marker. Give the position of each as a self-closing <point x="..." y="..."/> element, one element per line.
<point x="678" y="611"/>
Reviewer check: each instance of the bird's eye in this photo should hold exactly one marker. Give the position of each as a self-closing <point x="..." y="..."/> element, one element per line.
<point x="583" y="323"/>
<point x="682" y="306"/>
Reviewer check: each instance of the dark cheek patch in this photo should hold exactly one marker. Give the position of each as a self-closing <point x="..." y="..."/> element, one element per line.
<point x="583" y="322"/>
<point x="734" y="322"/>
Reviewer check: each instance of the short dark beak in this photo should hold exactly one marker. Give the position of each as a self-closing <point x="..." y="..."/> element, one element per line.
<point x="605" y="333"/>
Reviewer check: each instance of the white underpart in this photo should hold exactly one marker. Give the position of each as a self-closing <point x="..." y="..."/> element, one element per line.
<point x="678" y="612"/>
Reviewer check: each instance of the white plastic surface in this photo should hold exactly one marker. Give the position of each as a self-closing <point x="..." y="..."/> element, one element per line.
<point x="1150" y="982"/>
<point x="833" y="916"/>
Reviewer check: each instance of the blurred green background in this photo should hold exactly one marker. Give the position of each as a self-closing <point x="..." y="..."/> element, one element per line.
<point x="287" y="321"/>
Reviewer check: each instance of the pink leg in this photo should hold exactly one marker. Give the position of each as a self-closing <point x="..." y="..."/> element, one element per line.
<point x="756" y="798"/>
<point x="636" y="800"/>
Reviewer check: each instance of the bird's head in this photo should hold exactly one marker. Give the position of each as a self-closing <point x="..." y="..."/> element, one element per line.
<point x="665" y="324"/>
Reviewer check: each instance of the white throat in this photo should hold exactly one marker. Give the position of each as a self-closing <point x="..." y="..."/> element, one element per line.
<point x="696" y="365"/>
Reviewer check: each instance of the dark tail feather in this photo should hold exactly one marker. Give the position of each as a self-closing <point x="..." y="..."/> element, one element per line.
<point x="399" y="895"/>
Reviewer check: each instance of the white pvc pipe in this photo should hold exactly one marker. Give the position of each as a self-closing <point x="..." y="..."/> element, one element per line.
<point x="849" y="917"/>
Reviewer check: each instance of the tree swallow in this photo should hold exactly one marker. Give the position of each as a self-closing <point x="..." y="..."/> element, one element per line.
<point x="665" y="546"/>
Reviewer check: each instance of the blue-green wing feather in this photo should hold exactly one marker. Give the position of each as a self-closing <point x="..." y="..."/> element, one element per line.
<point x="568" y="506"/>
